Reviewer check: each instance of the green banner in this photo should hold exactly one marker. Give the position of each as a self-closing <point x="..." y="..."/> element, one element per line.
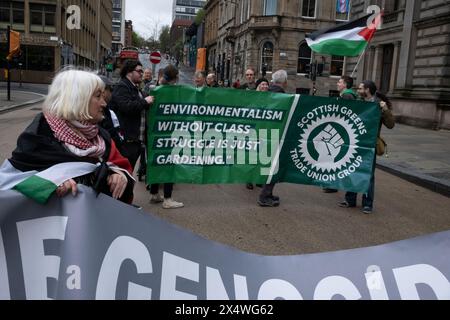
<point x="211" y="135"/>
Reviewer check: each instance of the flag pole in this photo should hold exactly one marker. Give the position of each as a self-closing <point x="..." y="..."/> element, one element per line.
<point x="359" y="60"/>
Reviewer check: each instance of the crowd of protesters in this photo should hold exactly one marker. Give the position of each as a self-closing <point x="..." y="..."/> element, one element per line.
<point x="87" y="118"/>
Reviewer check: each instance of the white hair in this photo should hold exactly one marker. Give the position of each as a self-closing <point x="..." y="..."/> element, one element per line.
<point x="279" y="76"/>
<point x="70" y="94"/>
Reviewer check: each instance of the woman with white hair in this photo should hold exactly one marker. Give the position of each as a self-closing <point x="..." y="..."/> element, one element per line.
<point x="67" y="131"/>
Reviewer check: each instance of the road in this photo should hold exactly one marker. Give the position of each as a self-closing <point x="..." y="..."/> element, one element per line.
<point x="145" y="60"/>
<point x="185" y="77"/>
<point x="31" y="87"/>
<point x="307" y="221"/>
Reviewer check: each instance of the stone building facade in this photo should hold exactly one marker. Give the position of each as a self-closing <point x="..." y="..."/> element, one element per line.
<point x="270" y="35"/>
<point x="409" y="59"/>
<point x="47" y="43"/>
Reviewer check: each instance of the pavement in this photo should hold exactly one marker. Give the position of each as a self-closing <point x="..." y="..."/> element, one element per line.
<point x="417" y="155"/>
<point x="21" y="96"/>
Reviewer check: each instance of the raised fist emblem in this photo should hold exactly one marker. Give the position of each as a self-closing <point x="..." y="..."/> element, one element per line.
<point x="328" y="144"/>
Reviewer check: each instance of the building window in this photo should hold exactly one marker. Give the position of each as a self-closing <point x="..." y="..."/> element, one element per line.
<point x="270" y="7"/>
<point x="39" y="58"/>
<point x="392" y="6"/>
<point x="245" y="10"/>
<point x="309" y="8"/>
<point x="337" y="66"/>
<point x="117" y="16"/>
<point x="267" y="56"/>
<point x="304" y="58"/>
<point x="42" y="18"/>
<point x="11" y="12"/>
<point x="342" y="10"/>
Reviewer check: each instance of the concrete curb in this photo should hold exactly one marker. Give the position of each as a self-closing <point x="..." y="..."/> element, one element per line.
<point x="24" y="104"/>
<point x="425" y="181"/>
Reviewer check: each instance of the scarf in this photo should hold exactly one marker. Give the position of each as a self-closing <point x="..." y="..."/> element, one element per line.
<point x="80" y="137"/>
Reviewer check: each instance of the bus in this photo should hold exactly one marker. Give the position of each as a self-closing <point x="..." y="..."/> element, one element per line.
<point x="129" y="53"/>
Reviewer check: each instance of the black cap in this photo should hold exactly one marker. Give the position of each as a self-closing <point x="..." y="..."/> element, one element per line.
<point x="258" y="82"/>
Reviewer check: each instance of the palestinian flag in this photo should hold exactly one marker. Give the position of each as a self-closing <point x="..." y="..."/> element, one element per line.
<point x="39" y="186"/>
<point x="349" y="39"/>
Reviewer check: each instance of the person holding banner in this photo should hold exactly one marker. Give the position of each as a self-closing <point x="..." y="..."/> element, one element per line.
<point x="169" y="77"/>
<point x="130" y="105"/>
<point x="211" y="81"/>
<point x="66" y="137"/>
<point x="262" y="85"/>
<point x="199" y="79"/>
<point x="266" y="197"/>
<point x="250" y="76"/>
<point x="367" y="90"/>
<point x="344" y="86"/>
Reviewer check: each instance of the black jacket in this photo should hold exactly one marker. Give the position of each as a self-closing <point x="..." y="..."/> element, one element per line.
<point x="38" y="149"/>
<point x="275" y="88"/>
<point x="108" y="125"/>
<point x="128" y="106"/>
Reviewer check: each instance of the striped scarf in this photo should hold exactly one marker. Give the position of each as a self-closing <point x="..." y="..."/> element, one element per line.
<point x="80" y="137"/>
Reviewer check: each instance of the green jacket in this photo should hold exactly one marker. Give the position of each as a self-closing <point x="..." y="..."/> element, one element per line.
<point x="349" y="94"/>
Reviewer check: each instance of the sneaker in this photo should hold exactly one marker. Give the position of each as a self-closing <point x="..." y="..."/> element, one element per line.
<point x="171" y="204"/>
<point x="345" y="204"/>
<point x="328" y="190"/>
<point x="275" y="198"/>
<point x="249" y="186"/>
<point x="367" y="210"/>
<point x="137" y="206"/>
<point x="268" y="202"/>
<point x="156" y="198"/>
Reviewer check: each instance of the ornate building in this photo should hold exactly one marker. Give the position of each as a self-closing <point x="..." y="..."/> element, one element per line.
<point x="268" y="35"/>
<point x="409" y="59"/>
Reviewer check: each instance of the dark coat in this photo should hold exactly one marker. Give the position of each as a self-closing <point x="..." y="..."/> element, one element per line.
<point x="128" y="106"/>
<point x="38" y="149"/>
<point x="246" y="87"/>
<point x="275" y="88"/>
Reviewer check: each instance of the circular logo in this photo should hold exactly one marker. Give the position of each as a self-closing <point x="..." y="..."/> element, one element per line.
<point x="328" y="143"/>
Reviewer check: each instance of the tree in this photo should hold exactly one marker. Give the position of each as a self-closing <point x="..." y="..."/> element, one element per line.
<point x="199" y="17"/>
<point x="164" y="39"/>
<point x="177" y="50"/>
<point x="137" y="40"/>
<point x="152" y="43"/>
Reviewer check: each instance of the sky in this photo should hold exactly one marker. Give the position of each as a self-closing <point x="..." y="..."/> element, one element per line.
<point x="148" y="16"/>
